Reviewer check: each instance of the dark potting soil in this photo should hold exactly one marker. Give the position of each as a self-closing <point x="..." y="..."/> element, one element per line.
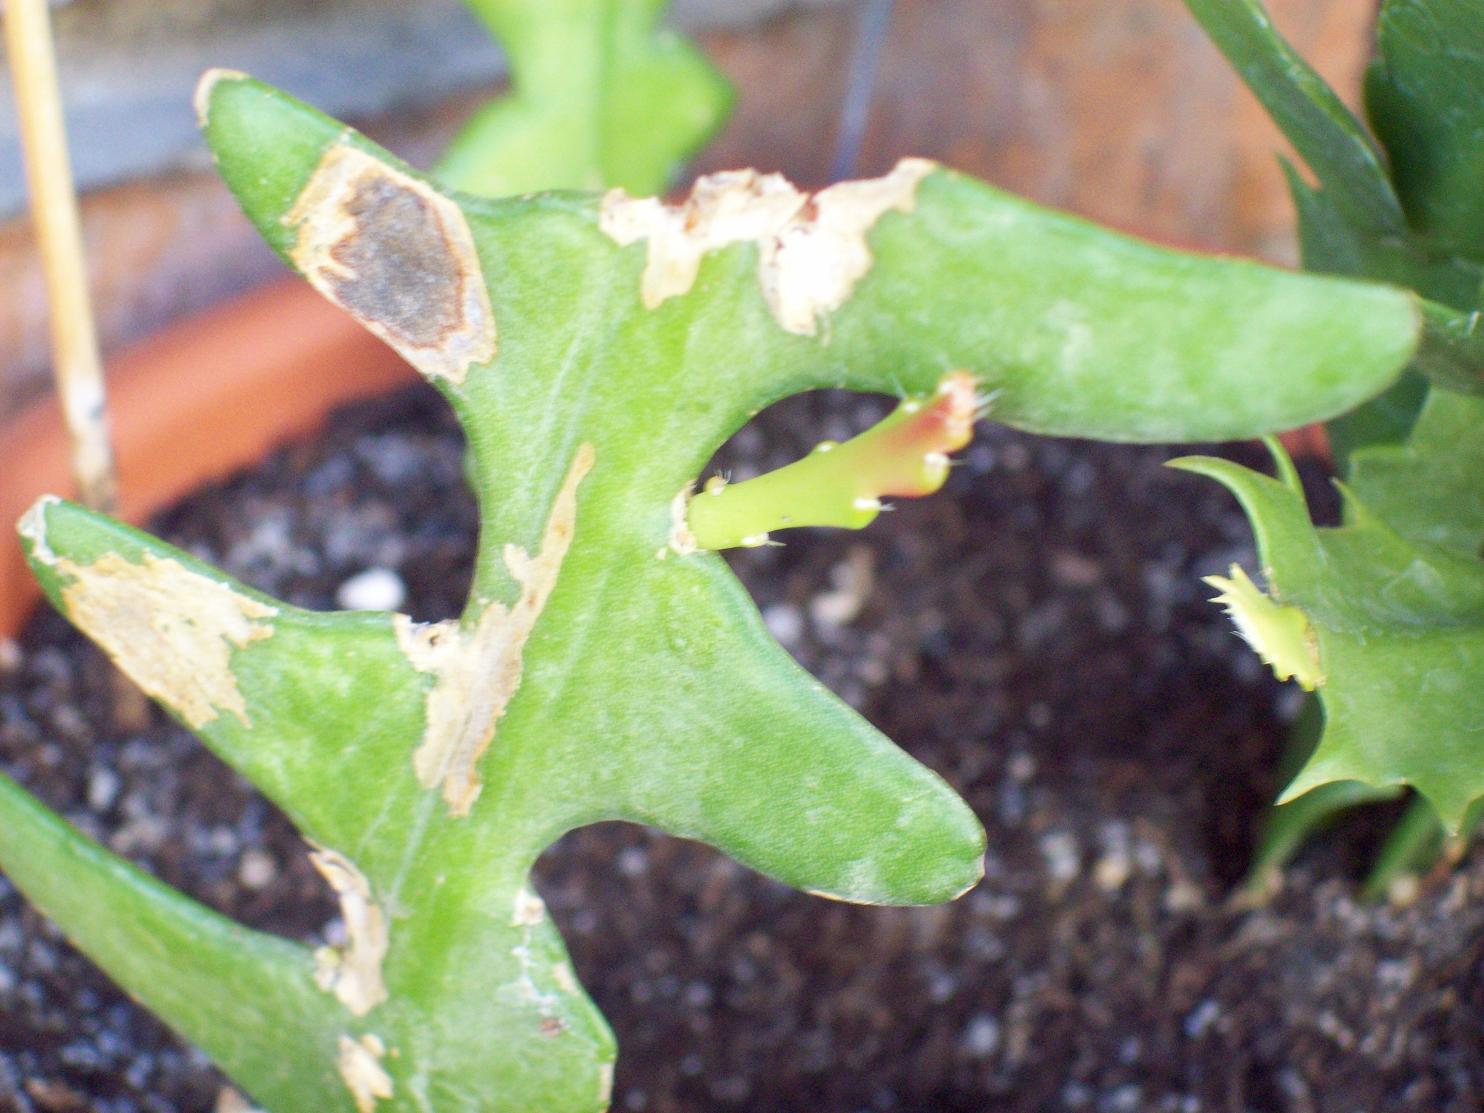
<point x="1038" y="634"/>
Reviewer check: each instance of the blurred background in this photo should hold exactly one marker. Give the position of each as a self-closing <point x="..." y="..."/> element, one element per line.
<point x="1116" y="109"/>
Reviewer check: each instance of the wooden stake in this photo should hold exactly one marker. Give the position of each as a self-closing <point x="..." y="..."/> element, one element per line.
<point x="76" y="364"/>
<point x="75" y="360"/>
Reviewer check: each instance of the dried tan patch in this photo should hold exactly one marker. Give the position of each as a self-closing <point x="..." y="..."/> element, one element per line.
<point x="479" y="670"/>
<point x="229" y="1100"/>
<point x="682" y="540"/>
<point x="812" y="249"/>
<point x="32" y="528"/>
<point x="812" y="266"/>
<point x="565" y="978"/>
<point x="734" y="206"/>
<point x="170" y="629"/>
<point x="605" y="1085"/>
<point x="360" y="1066"/>
<point x="353" y="972"/>
<point x="529" y="909"/>
<point x="207" y="85"/>
<point x="399" y="257"/>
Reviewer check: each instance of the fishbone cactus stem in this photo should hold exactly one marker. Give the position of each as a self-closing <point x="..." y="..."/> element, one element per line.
<point x="597" y="350"/>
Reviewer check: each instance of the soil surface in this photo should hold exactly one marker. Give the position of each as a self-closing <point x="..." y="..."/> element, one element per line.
<point x="1039" y="635"/>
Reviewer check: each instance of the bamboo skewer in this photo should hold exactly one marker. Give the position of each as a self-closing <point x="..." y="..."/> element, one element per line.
<point x="75" y="360"/>
<point x="76" y="364"/>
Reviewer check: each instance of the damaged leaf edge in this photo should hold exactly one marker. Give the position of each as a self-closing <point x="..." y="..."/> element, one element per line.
<point x="353" y="973"/>
<point x="478" y="670"/>
<point x="812" y="249"/>
<point x="171" y="629"/>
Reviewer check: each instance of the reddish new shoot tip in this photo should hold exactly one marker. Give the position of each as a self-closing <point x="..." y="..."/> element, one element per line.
<point x="903" y="456"/>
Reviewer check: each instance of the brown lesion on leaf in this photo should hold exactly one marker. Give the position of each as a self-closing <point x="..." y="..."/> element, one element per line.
<point x="478" y="669"/>
<point x="399" y="257"/>
<point x="170" y="629"/>
<point x="812" y="248"/>
<point x="353" y="972"/>
<point x="360" y="1067"/>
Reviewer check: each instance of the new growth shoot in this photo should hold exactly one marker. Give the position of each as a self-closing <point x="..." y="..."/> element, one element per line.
<point x="903" y="456"/>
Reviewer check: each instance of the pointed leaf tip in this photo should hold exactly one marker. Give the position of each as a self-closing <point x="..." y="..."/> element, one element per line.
<point x="266" y="144"/>
<point x="206" y="88"/>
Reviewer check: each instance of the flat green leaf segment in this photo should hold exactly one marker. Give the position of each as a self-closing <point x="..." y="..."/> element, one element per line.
<point x="1415" y="218"/>
<point x="1398" y="623"/>
<point x="597" y="351"/>
<point x="603" y="95"/>
<point x="242" y="996"/>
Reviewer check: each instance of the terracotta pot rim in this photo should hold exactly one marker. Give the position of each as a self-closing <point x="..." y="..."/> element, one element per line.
<point x="204" y="397"/>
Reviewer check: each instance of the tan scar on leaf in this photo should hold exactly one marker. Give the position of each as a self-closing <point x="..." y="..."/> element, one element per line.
<point x="171" y="630"/>
<point x="230" y="1100"/>
<point x="360" y="1067"/>
<point x="399" y="257"/>
<point x="32" y="529"/>
<point x="352" y="972"/>
<point x="206" y="86"/>
<point x="811" y="249"/>
<point x="682" y="541"/>
<point x="478" y="670"/>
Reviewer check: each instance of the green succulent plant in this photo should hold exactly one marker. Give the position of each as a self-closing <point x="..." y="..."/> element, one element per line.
<point x="603" y="96"/>
<point x="1393" y="598"/>
<point x="597" y="348"/>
